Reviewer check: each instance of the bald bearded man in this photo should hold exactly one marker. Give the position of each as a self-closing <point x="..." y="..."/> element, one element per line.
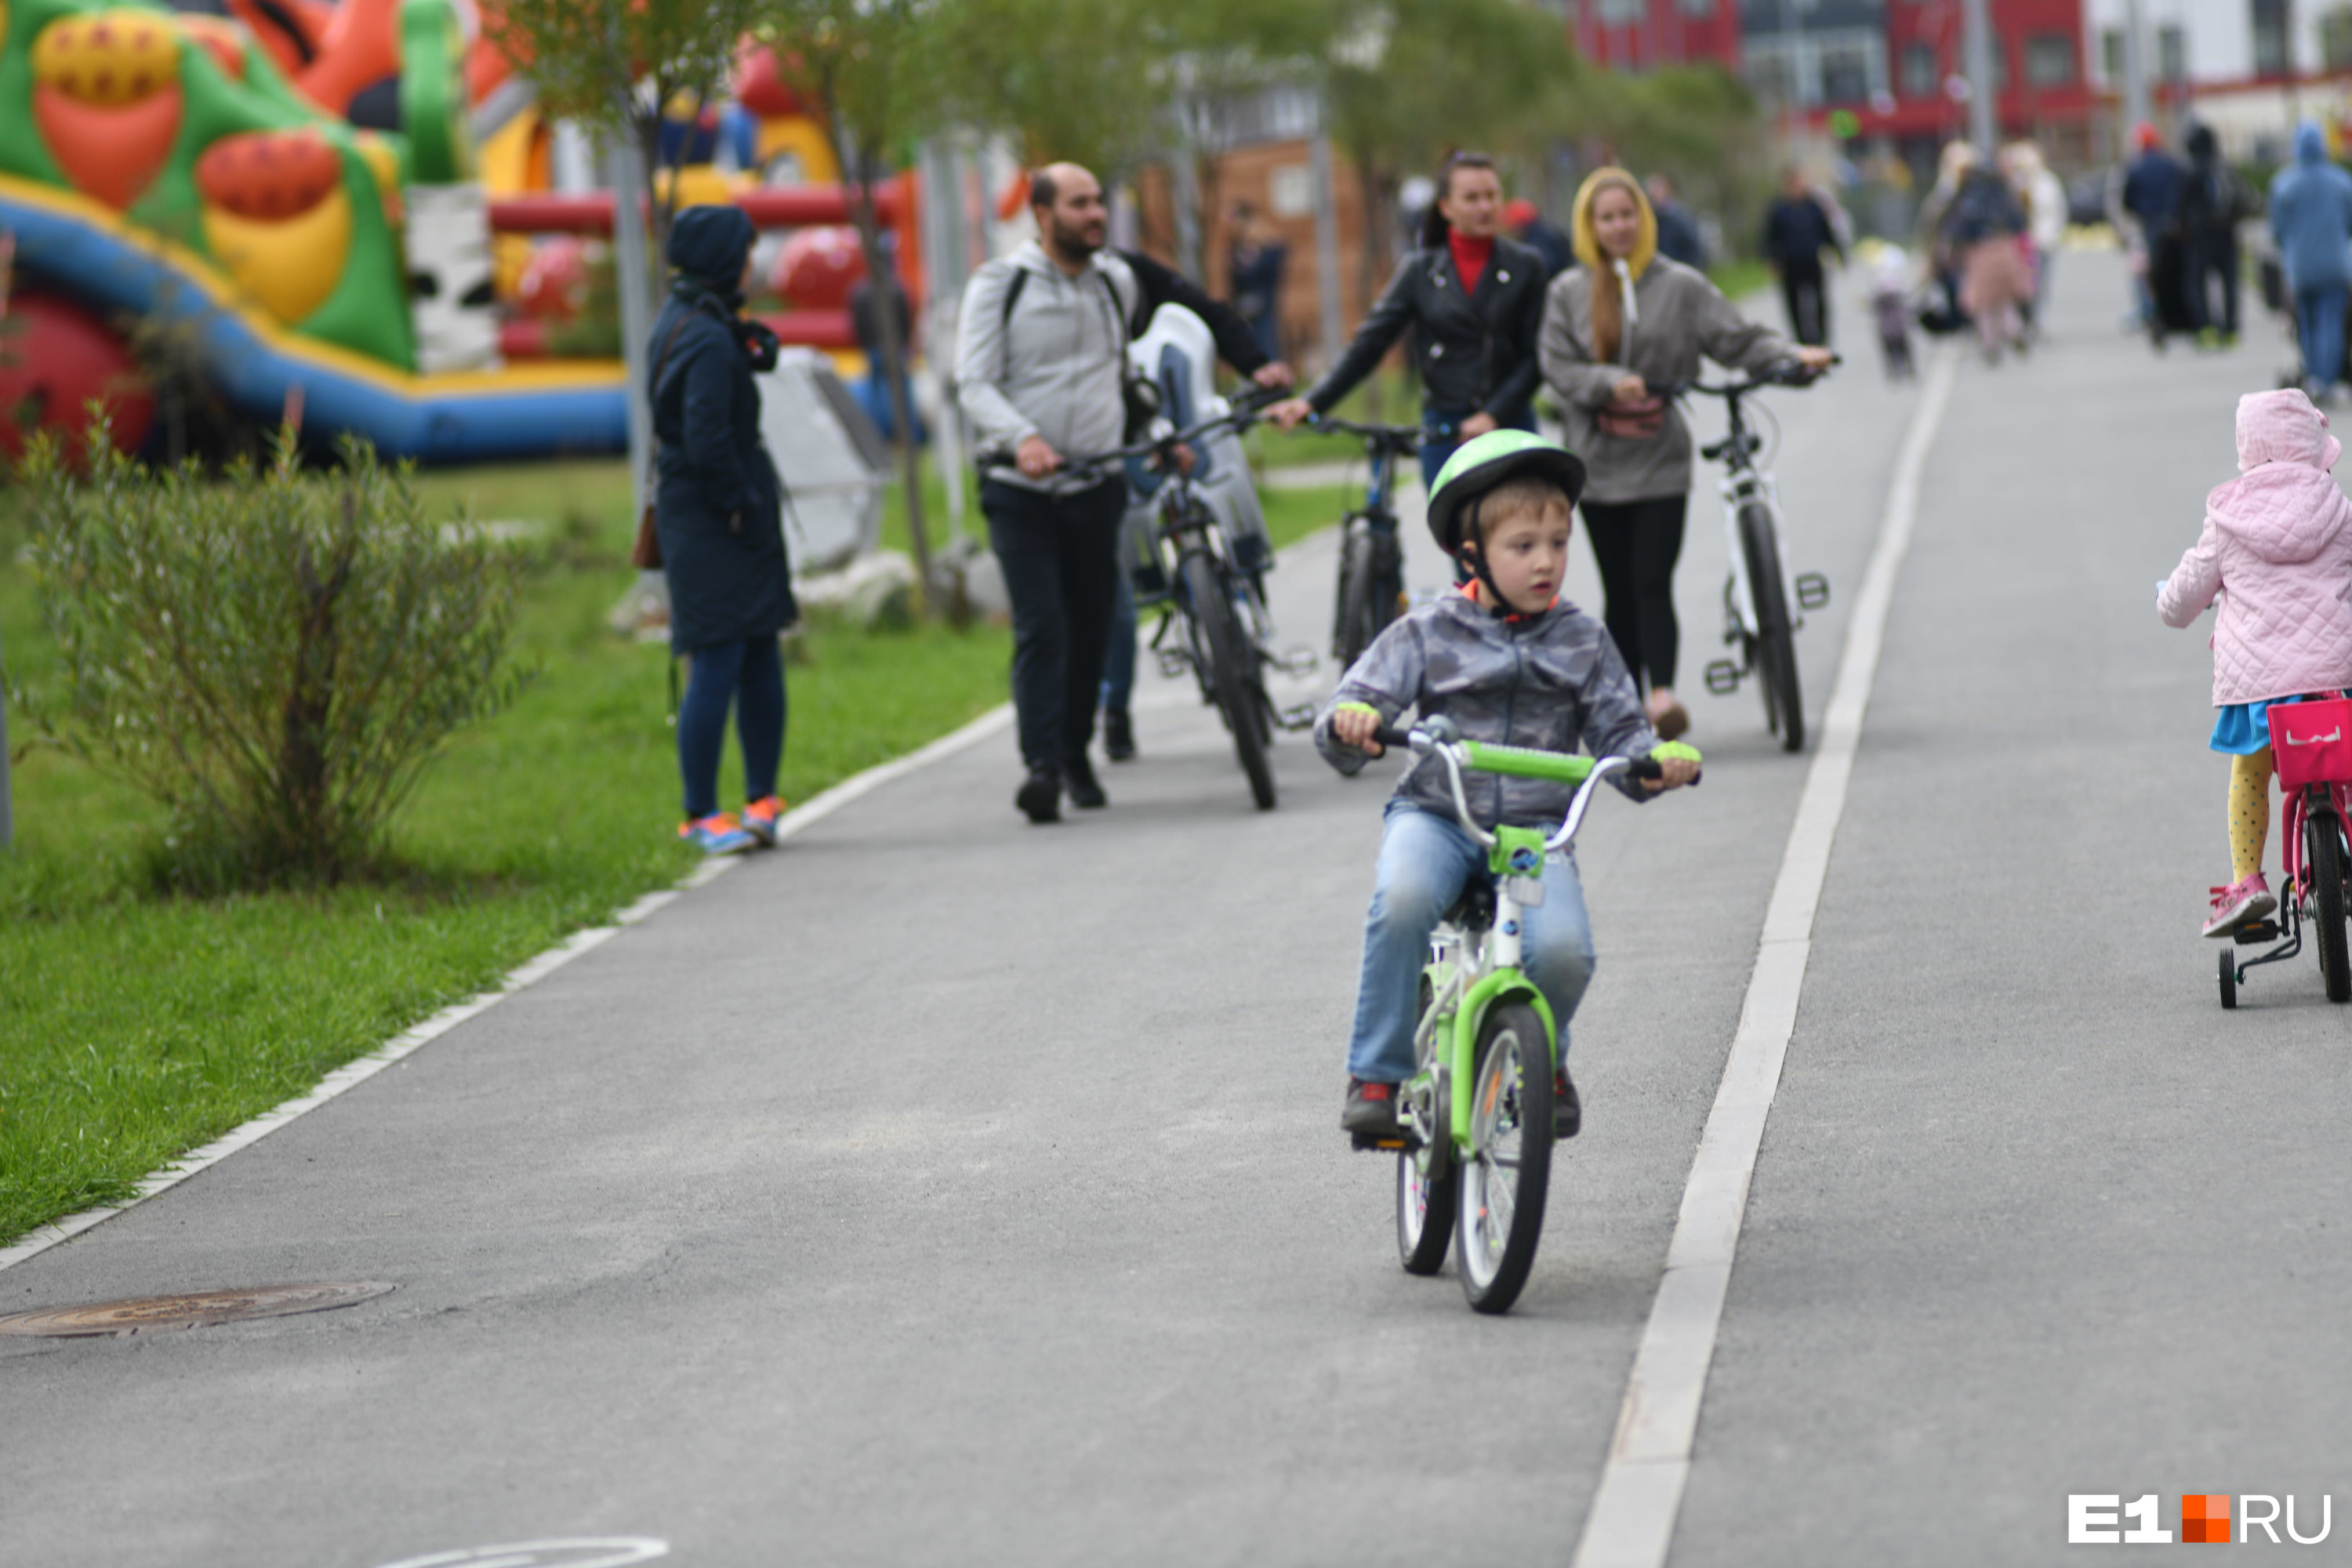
<point x="1039" y="354"/>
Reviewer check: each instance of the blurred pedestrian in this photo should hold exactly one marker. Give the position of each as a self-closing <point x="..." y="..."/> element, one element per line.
<point x="1985" y="228"/>
<point x="1254" y="265"/>
<point x="2151" y="198"/>
<point x="1679" y="236"/>
<point x="1475" y="299"/>
<point x="873" y="388"/>
<point x="2311" y="217"/>
<point x="1797" y="228"/>
<point x="1890" y="307"/>
<point x="719" y="506"/>
<point x="2043" y="196"/>
<point x="2214" y="202"/>
<point x="1526" y="224"/>
<point x="1626" y="320"/>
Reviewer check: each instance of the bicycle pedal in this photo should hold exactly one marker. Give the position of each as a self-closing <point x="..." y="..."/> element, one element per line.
<point x="1812" y="590"/>
<point x="2255" y="933"/>
<point x="1299" y="716"/>
<point x="1174" y="662"/>
<point x="1365" y="1145"/>
<point x="1723" y="677"/>
<point x="1297" y="663"/>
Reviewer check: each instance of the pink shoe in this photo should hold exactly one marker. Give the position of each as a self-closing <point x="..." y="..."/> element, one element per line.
<point x="2236" y="905"/>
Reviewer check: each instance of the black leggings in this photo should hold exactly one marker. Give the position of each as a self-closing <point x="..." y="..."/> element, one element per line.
<point x="1637" y="543"/>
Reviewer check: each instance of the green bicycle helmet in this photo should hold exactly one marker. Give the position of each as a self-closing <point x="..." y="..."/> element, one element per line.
<point x="1478" y="466"/>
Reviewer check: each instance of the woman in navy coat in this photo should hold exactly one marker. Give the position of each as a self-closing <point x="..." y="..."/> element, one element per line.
<point x="718" y="503"/>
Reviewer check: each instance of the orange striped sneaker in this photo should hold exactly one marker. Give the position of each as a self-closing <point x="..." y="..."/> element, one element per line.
<point x="759" y="818"/>
<point x="717" y="834"/>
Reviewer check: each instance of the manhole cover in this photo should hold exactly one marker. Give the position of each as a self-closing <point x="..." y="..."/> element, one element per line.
<point x="157" y="1314"/>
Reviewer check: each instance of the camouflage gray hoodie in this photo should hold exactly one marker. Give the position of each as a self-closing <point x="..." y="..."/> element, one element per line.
<point x="1551" y="681"/>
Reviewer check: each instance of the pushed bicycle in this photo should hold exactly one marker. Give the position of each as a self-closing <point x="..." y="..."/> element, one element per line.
<point x="1760" y="613"/>
<point x="1371" y="590"/>
<point x="2310" y="748"/>
<point x="1214" y="605"/>
<point x="1474" y="1162"/>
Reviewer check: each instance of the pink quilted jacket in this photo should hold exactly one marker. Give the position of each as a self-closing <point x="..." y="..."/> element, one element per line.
<point x="2276" y="552"/>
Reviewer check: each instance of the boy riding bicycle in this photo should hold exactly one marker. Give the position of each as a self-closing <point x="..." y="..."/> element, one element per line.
<point x="1510" y="662"/>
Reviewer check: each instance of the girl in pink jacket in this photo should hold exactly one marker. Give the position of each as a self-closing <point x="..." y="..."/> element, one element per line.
<point x="2277" y="555"/>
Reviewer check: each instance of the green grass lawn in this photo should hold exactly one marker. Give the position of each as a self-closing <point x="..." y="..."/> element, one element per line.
<point x="133" y="1027"/>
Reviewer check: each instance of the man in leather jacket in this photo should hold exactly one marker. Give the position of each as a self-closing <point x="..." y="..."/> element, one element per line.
<point x="1475" y="299"/>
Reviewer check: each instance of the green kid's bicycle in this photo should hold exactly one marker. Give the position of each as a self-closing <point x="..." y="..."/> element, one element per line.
<point x="1475" y="1157"/>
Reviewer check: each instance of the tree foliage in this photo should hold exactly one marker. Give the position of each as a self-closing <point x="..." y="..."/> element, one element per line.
<point x="275" y="657"/>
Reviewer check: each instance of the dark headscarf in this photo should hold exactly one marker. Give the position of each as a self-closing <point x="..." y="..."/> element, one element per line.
<point x="707" y="244"/>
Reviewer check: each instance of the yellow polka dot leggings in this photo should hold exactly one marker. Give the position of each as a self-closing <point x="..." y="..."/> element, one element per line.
<point x="2249" y="812"/>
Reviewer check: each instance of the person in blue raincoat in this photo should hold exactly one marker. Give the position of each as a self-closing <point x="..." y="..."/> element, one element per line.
<point x="719" y="506"/>
<point x="2311" y="218"/>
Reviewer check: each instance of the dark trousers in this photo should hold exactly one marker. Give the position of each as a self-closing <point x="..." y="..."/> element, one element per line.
<point x="2213" y="257"/>
<point x="749" y="677"/>
<point x="1060" y="558"/>
<point x="1637" y="543"/>
<point x="1806" y="293"/>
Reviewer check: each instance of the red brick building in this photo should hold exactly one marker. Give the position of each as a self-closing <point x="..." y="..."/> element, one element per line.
<point x="1641" y="35"/>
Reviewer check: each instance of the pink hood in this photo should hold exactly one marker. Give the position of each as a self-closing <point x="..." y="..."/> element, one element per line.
<point x="2276" y="552"/>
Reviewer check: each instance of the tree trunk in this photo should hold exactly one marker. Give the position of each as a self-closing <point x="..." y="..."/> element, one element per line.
<point x="882" y="279"/>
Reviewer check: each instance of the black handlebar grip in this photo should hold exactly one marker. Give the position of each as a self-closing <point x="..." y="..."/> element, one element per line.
<point x="1390" y="736"/>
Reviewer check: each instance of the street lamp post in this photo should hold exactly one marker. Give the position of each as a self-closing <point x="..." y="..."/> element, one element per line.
<point x="1977" y="40"/>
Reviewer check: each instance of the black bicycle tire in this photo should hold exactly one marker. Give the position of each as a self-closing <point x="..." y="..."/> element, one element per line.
<point x="2323" y="851"/>
<point x="1776" y="640"/>
<point x="1351" y="631"/>
<point x="2229" y="980"/>
<point x="1237" y="697"/>
<point x="1532" y="1175"/>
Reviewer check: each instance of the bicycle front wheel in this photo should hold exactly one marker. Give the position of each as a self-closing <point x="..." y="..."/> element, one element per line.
<point x="2323" y="862"/>
<point x="1233" y="674"/>
<point x="1371" y="584"/>
<point x="1505" y="1175"/>
<point x="1776" y="640"/>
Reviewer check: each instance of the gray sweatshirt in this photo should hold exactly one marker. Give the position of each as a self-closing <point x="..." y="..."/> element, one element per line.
<point x="1678" y="315"/>
<point x="1552" y="680"/>
<point x="1058" y="371"/>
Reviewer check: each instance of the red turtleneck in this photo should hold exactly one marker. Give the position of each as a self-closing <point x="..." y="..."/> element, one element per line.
<point x="1470" y="258"/>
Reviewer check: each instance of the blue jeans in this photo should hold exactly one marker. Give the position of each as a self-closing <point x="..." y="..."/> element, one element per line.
<point x="1425" y="861"/>
<point x="749" y="677"/>
<point x="1435" y="452"/>
<point x="2319" y="328"/>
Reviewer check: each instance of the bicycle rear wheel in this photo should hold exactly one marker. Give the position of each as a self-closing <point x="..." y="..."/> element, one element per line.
<point x="1233" y="674"/>
<point x="2323" y="861"/>
<point x="1776" y="642"/>
<point x="1370" y="582"/>
<point x="1504" y="1179"/>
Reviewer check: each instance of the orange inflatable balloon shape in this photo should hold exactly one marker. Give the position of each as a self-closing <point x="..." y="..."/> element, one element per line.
<point x="107" y="98"/>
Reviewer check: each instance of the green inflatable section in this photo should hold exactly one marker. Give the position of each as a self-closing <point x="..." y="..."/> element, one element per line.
<point x="367" y="309"/>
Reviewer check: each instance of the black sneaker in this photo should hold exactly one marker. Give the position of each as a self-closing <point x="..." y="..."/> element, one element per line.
<point x="1118" y="735"/>
<point x="1370" y="1111"/>
<point x="1040" y="795"/>
<point x="1567" y="1114"/>
<point x="1085" y="791"/>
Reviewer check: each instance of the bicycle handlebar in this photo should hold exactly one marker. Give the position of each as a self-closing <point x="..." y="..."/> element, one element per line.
<point x="1791" y="376"/>
<point x="1243" y="412"/>
<point x="1397" y="437"/>
<point x="1519" y="761"/>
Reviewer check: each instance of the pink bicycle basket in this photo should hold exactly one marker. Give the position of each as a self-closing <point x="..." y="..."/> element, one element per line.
<point x="2312" y="741"/>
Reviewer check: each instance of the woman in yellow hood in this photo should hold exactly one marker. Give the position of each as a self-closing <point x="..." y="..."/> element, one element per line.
<point x="1623" y="320"/>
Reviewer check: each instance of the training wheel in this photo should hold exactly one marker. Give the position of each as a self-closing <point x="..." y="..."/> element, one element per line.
<point x="2229" y="979"/>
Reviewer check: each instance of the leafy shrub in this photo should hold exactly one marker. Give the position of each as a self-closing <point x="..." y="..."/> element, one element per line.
<point x="274" y="655"/>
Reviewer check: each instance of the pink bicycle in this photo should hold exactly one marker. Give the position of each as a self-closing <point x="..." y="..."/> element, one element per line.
<point x="2311" y="743"/>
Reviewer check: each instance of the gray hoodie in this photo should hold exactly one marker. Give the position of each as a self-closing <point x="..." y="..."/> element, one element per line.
<point x="1056" y="371"/>
<point x="1552" y="680"/>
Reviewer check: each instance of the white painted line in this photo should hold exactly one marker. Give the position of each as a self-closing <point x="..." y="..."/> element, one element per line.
<point x="1633" y="1520"/>
<point x="360" y="1069"/>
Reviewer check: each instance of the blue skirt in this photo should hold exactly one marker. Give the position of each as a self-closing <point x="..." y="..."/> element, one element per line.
<point x="2241" y="728"/>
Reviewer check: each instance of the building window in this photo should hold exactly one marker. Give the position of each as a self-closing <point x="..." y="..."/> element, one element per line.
<point x="2050" y="61"/>
<point x="1620" y="13"/>
<point x="2111" y="54"/>
<point x="1846" y="75"/>
<point x="1770" y="76"/>
<point x="2172" y="52"/>
<point x="2270" y="37"/>
<point x="1923" y="74"/>
<point x="1695" y="10"/>
<point x="2335" y="39"/>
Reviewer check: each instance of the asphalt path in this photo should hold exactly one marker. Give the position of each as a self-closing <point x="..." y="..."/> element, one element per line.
<point x="940" y="1189"/>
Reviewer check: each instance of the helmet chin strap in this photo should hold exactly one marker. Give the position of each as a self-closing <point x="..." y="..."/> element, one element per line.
<point x="1472" y="532"/>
